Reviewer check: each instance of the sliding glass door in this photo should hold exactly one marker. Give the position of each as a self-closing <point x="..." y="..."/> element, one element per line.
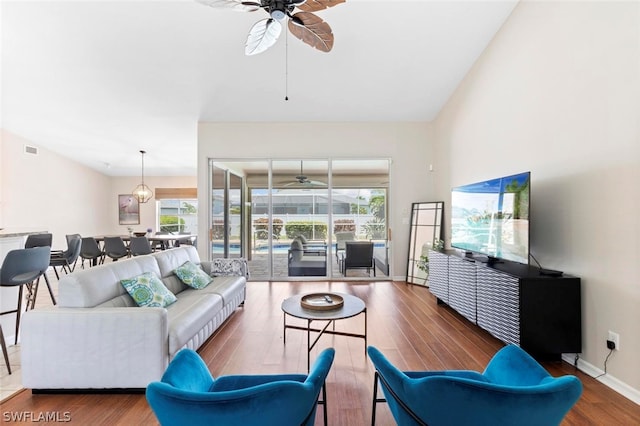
<point x="299" y="210"/>
<point x="226" y="212"/>
<point x="359" y="199"/>
<point x="286" y="216"/>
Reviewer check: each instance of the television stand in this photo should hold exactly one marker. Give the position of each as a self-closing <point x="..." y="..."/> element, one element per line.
<point x="550" y="272"/>
<point x="488" y="260"/>
<point x="514" y="302"/>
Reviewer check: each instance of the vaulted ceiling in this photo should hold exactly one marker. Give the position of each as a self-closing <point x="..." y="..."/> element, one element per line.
<point x="97" y="81"/>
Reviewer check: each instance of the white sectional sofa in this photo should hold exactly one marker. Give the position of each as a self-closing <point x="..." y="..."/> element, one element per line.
<point x="98" y="338"/>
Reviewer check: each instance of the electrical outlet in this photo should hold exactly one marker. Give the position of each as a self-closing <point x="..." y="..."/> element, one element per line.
<point x="615" y="338"/>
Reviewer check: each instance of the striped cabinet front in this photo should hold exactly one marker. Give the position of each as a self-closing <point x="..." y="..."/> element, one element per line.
<point x="462" y="287"/>
<point x="499" y="304"/>
<point x="439" y="275"/>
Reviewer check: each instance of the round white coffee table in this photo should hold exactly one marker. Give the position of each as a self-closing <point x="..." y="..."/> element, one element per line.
<point x="352" y="307"/>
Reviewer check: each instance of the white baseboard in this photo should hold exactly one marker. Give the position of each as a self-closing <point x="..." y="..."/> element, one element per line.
<point x="607" y="379"/>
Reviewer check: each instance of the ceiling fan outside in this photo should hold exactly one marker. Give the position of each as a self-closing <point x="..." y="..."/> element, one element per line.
<point x="304" y="180"/>
<point x="304" y="25"/>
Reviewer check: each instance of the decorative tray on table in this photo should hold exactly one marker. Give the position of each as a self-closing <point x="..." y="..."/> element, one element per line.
<point x="322" y="301"/>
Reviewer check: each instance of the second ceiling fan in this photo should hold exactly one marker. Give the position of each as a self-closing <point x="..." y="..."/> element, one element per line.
<point x="299" y="181"/>
<point x="303" y="24"/>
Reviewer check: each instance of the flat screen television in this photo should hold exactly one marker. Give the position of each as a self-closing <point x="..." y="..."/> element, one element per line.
<point x="491" y="218"/>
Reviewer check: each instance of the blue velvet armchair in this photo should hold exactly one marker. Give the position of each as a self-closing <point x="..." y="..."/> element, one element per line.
<point x="513" y="390"/>
<point x="188" y="395"/>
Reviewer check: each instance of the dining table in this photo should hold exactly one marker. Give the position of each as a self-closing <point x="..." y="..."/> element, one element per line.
<point x="165" y="240"/>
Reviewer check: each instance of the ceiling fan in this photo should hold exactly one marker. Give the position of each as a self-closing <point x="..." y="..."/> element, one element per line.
<point x="306" y="26"/>
<point x="302" y="179"/>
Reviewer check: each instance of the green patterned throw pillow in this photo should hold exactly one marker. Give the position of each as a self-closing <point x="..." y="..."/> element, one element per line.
<point x="148" y="290"/>
<point x="191" y="274"/>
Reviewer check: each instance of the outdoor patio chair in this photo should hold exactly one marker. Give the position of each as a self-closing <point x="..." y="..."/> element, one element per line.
<point x="341" y="238"/>
<point x="358" y="255"/>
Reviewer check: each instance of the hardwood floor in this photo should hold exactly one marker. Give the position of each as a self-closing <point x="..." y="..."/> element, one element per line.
<point x="404" y="322"/>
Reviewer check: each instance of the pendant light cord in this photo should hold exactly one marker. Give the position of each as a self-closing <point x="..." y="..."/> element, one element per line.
<point x="142" y="174"/>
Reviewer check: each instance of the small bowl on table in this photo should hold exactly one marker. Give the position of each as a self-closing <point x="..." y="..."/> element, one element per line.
<point x="140" y="234"/>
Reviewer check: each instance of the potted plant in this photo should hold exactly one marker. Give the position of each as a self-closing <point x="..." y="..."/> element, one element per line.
<point x="423" y="263"/>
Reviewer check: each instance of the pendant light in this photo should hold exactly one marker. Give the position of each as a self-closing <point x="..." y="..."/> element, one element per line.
<point x="142" y="193"/>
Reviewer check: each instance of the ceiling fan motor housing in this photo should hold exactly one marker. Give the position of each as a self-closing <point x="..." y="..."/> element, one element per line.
<point x="278" y="9"/>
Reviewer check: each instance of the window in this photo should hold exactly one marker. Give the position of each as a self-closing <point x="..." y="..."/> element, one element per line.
<point x="177" y="210"/>
<point x="178" y="215"/>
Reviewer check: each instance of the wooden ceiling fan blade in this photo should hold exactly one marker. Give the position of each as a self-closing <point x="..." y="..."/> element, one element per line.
<point x="312" y="30"/>
<point x="237" y="5"/>
<point x="316" y="5"/>
<point x="262" y="36"/>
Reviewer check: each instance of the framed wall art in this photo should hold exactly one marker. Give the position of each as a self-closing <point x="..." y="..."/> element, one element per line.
<point x="128" y="210"/>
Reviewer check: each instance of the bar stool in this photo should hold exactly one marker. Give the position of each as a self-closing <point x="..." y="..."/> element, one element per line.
<point x="4" y="350"/>
<point x="23" y="266"/>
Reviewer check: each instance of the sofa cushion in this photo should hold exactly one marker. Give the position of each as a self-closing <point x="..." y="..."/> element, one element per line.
<point x="91" y="287"/>
<point x="227" y="287"/>
<point x="192" y="275"/>
<point x="147" y="290"/>
<point x="189" y="315"/>
<point x="173" y="283"/>
<point x="168" y="260"/>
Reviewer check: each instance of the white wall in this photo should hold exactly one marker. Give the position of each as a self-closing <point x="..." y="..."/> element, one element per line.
<point x="558" y="93"/>
<point x="53" y="193"/>
<point x="50" y="192"/>
<point x="407" y="144"/>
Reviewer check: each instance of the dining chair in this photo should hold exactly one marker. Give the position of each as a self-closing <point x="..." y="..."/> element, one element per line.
<point x="513" y="390"/>
<point x="23" y="267"/>
<point x="70" y="237"/>
<point x="90" y="250"/>
<point x="67" y="259"/>
<point x="39" y="240"/>
<point x="139" y="246"/>
<point x="189" y="395"/>
<point x="358" y="255"/>
<point x="115" y="248"/>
